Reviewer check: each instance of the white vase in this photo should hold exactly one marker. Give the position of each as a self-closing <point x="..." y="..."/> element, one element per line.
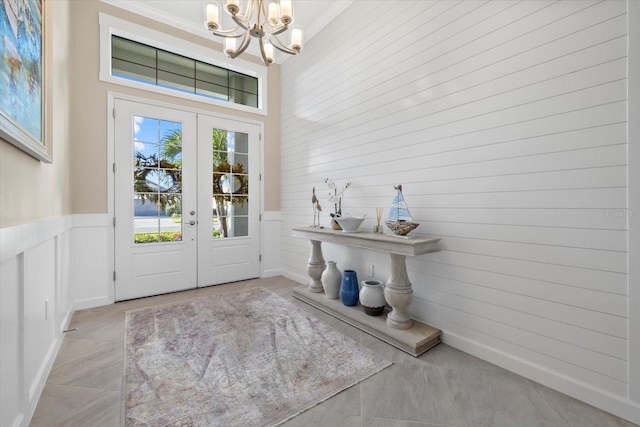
<point x="331" y="279"/>
<point x="372" y="297"/>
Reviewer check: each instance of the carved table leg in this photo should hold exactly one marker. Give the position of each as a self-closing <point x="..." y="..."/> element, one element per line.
<point x="315" y="266"/>
<point x="398" y="293"/>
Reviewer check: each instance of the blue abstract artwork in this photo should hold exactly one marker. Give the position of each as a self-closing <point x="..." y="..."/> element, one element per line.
<point x="21" y="68"/>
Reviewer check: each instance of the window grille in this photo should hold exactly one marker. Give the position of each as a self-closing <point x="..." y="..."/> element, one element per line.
<point x="147" y="64"/>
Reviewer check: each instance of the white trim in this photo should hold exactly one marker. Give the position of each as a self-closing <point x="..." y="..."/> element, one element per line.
<point x="35" y="391"/>
<point x="160" y="16"/>
<point x="303" y="280"/>
<point x="85" y="303"/>
<point x="17" y="239"/>
<point x="111" y="97"/>
<point x="272" y="272"/>
<point x="270" y="246"/>
<point x="599" y="398"/>
<point x="603" y="399"/>
<point x="110" y="25"/>
<point x="19" y="419"/>
<point x="272" y="216"/>
<point x="633" y="218"/>
<point x="111" y="242"/>
<point x="107" y="295"/>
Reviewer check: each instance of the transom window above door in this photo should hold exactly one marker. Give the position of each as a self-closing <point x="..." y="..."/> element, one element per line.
<point x="148" y="64"/>
<point x="139" y="57"/>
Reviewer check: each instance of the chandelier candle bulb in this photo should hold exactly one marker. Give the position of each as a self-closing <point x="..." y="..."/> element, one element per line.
<point x="233" y="6"/>
<point x="213" y="16"/>
<point x="286" y="11"/>
<point x="268" y="51"/>
<point x="229" y="46"/>
<point x="296" y="38"/>
<point x="273" y="13"/>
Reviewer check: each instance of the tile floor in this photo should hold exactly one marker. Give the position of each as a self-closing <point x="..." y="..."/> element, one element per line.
<point x="443" y="387"/>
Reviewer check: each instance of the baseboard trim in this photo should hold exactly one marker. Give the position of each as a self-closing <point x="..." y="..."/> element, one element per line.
<point x="602" y="399"/>
<point x="19" y="419"/>
<point x="295" y="277"/>
<point x="38" y="386"/>
<point x="91" y="302"/>
<point x="273" y="272"/>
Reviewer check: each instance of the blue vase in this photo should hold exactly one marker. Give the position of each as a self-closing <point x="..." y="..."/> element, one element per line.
<point x="349" y="289"/>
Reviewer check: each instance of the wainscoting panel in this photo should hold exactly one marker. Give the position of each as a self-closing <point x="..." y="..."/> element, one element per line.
<point x="36" y="305"/>
<point x="270" y="241"/>
<point x="506" y="123"/>
<point x="48" y="268"/>
<point x="12" y="387"/>
<point x="92" y="262"/>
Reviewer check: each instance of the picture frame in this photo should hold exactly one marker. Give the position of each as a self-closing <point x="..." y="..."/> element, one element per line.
<point x="24" y="75"/>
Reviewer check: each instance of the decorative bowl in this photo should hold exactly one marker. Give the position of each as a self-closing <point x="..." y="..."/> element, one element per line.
<point x="349" y="224"/>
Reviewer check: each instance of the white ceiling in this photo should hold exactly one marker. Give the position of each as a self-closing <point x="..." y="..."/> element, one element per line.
<point x="188" y="15"/>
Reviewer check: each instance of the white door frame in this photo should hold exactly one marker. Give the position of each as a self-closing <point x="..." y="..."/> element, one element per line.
<point x="111" y="97"/>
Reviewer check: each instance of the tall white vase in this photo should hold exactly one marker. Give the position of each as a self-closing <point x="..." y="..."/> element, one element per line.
<point x="331" y="279"/>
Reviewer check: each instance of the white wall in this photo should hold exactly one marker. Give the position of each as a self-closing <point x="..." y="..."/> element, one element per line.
<point x="92" y="260"/>
<point x="506" y="122"/>
<point x="633" y="216"/>
<point x="35" y="307"/>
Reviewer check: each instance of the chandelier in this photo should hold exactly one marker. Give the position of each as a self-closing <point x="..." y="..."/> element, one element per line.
<point x="260" y="19"/>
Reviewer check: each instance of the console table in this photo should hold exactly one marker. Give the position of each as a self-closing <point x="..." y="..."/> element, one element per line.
<point x="399" y="329"/>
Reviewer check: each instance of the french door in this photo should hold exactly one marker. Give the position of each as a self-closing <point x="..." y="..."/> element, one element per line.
<point x="186" y="200"/>
<point x="228" y="200"/>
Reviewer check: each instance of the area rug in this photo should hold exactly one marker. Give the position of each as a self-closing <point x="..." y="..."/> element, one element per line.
<point x="246" y="358"/>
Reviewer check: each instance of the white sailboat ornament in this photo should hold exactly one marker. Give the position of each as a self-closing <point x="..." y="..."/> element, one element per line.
<point x="399" y="220"/>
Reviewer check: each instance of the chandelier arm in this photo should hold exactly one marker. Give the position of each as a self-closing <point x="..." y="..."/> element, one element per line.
<point x="249" y="11"/>
<point x="243" y="46"/>
<point x="261" y="9"/>
<point x="281" y="47"/>
<point x="241" y="21"/>
<point x="264" y="55"/>
<point x="278" y="30"/>
<point x="228" y="34"/>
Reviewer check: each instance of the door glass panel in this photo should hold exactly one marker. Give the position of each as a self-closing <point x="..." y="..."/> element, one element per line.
<point x="242" y="159"/>
<point x="230" y="187"/>
<point x="157" y="180"/>
<point x="241" y="143"/>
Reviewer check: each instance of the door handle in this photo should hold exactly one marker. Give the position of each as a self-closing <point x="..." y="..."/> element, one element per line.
<point x="192" y="222"/>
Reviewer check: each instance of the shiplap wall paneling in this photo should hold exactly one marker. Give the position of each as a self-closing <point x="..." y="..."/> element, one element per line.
<point x="632" y="216"/>
<point x="506" y="123"/>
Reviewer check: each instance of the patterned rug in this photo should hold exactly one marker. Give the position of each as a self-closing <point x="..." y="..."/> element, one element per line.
<point x="247" y="358"/>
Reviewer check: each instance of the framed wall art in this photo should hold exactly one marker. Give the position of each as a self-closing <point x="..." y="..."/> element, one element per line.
<point x="22" y="76"/>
